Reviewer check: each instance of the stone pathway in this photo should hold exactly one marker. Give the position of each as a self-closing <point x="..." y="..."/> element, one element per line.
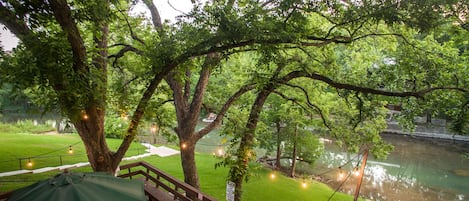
<point x="161" y="151"/>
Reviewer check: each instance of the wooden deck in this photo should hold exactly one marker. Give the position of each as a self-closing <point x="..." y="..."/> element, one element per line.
<point x="160" y="186"/>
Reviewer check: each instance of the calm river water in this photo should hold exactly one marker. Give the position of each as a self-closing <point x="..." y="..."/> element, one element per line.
<point x="417" y="170"/>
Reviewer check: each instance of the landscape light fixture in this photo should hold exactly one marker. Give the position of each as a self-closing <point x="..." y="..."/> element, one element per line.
<point x="341" y="174"/>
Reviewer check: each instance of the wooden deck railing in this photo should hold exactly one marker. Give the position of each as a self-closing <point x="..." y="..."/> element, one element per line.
<point x="5" y="196"/>
<point x="160" y="186"/>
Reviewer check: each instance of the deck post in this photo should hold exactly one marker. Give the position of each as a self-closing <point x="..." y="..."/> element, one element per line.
<point x="360" y="179"/>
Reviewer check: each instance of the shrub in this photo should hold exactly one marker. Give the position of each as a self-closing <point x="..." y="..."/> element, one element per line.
<point x="115" y="127"/>
<point x="25" y="126"/>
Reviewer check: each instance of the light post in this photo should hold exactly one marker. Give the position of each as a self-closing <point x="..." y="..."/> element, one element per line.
<point x="153" y="130"/>
<point x="360" y="179"/>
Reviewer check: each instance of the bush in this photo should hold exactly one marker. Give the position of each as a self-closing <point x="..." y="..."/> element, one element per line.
<point x="115" y="127"/>
<point x="25" y="126"/>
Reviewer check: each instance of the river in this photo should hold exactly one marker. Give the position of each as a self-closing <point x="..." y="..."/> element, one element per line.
<point x="418" y="169"/>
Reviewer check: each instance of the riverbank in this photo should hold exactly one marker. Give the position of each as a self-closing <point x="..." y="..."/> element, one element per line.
<point x="419" y="169"/>
<point x="426" y="131"/>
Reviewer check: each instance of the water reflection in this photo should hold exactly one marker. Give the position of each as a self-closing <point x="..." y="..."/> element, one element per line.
<point x="417" y="170"/>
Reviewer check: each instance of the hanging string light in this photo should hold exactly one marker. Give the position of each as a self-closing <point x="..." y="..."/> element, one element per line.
<point x="70" y="150"/>
<point x="84" y="115"/>
<point x="124" y="117"/>
<point x="341" y="174"/>
<point x="153" y="128"/>
<point x="220" y="152"/>
<point x="30" y="163"/>
<point x="183" y="145"/>
<point x="356" y="171"/>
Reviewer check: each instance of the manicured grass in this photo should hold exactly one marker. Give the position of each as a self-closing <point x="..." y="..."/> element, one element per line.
<point x="213" y="181"/>
<point x="259" y="187"/>
<point x="44" y="150"/>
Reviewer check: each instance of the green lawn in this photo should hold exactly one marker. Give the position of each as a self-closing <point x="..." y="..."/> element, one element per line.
<point x="259" y="187"/>
<point x="47" y="150"/>
<point x="44" y="150"/>
<point x="213" y="181"/>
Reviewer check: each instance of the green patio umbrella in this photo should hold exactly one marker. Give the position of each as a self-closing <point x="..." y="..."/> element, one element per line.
<point x="82" y="187"/>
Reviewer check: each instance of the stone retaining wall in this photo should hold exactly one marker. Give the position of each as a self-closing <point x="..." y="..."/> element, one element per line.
<point x="431" y="131"/>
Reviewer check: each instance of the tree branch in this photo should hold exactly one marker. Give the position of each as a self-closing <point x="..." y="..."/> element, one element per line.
<point x="140" y="110"/>
<point x="199" y="134"/>
<point x="121" y="53"/>
<point x="132" y="33"/>
<point x="128" y="82"/>
<point x="311" y="105"/>
<point x="181" y="104"/>
<point x="202" y="83"/>
<point x="360" y="110"/>
<point x="155" y="15"/>
<point x="63" y="15"/>
<point x="16" y="25"/>
<point x="417" y="94"/>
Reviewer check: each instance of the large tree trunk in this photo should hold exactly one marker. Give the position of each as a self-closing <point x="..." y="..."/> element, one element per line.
<point x="188" y="164"/>
<point x="239" y="171"/>
<point x="90" y="126"/>
<point x="91" y="130"/>
<point x="187" y="114"/>
<point x="91" y="99"/>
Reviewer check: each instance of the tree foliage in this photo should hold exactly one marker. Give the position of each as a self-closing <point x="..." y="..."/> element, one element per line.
<point x="339" y="61"/>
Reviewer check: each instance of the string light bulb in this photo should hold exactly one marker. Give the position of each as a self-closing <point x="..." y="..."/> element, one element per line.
<point x="304" y="184"/>
<point x="341" y="174"/>
<point x="220" y="152"/>
<point x="153" y="128"/>
<point x="85" y="117"/>
<point x="30" y="163"/>
<point x="249" y="154"/>
<point x="70" y="150"/>
<point x="124" y="117"/>
<point x="183" y="145"/>
<point x="356" y="172"/>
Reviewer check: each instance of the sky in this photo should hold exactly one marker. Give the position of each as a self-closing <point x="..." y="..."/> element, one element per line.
<point x="9" y="41"/>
